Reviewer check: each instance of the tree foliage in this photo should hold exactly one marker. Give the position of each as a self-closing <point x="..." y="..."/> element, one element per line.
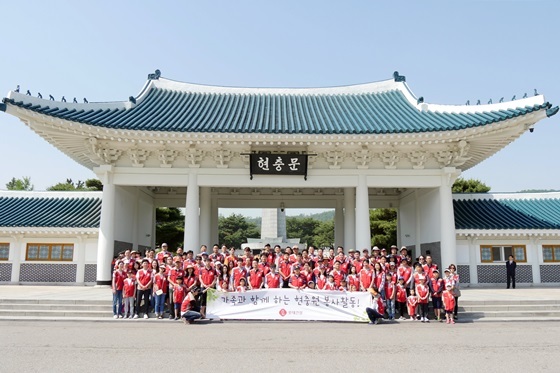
<point x="235" y="229"/>
<point x="69" y="185"/>
<point x="20" y="184"/>
<point x="302" y="228"/>
<point x="323" y="234"/>
<point x="170" y="226"/>
<point x="469" y="186"/>
<point x="383" y="224"/>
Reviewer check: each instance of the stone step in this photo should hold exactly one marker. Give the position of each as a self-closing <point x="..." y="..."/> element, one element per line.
<point x="108" y="302"/>
<point x="509" y="307"/>
<point x="55" y="313"/>
<point x="54" y="306"/>
<point x="497" y="302"/>
<point x="528" y="315"/>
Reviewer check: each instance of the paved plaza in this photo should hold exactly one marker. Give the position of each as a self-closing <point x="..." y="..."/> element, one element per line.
<point x="278" y="347"/>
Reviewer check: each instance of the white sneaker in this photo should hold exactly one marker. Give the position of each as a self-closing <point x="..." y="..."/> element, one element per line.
<point x="146" y="316"/>
<point x="120" y="316"/>
<point x="135" y="316"/>
<point x="115" y="317"/>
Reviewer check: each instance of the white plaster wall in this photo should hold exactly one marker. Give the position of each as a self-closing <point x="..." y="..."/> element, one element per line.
<point x="125" y="202"/>
<point x="91" y="251"/>
<point x="145" y="216"/>
<point x="462" y="252"/>
<point x="407" y="220"/>
<point x="429" y="206"/>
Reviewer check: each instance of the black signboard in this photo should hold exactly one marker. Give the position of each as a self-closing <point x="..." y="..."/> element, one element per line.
<point x="278" y="164"/>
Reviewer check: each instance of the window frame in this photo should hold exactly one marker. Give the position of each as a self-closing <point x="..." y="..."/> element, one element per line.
<point x="50" y="258"/>
<point x="8" y="245"/>
<point x="554" y="258"/>
<point x="502" y="253"/>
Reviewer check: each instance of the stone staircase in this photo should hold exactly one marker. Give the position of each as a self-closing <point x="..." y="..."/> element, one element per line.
<point x="101" y="310"/>
<point x="510" y="309"/>
<point x="55" y="309"/>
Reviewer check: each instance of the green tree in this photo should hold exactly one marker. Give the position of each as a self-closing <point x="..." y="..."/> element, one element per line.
<point x="469" y="186"/>
<point x="20" y="184"/>
<point x="302" y="228"/>
<point x="69" y="185"/>
<point x="94" y="184"/>
<point x="234" y="230"/>
<point x="323" y="234"/>
<point x="170" y="226"/>
<point x="383" y="224"/>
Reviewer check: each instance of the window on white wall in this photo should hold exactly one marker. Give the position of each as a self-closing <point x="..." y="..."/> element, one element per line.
<point x="50" y="252"/>
<point x="4" y="251"/>
<point x="551" y="253"/>
<point x="501" y="253"/>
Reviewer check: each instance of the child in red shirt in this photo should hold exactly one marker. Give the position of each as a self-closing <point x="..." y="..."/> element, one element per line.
<point x="412" y="302"/>
<point x="423" y="298"/>
<point x="401" y="297"/>
<point x="449" y="303"/>
<point x="179" y="291"/>
<point x="390" y="295"/>
<point x="242" y="285"/>
<point x="129" y="289"/>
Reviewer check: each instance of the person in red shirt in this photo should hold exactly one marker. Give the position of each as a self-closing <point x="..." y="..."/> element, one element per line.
<point x="353" y="278"/>
<point x="129" y="289"/>
<point x="117" y="286"/>
<point x="272" y="278"/>
<point x="207" y="279"/>
<point x="366" y="277"/>
<point x="337" y="274"/>
<point x="436" y="287"/>
<point x="256" y="277"/>
<point x="449" y="303"/>
<point x="376" y="311"/>
<point x="412" y="303"/>
<point x="163" y="253"/>
<point x="175" y="271"/>
<point x="405" y="271"/>
<point x="264" y="267"/>
<point x="179" y="292"/>
<point x="144" y="288"/>
<point x="297" y="280"/>
<point x="285" y="269"/>
<point x="190" y="307"/>
<point x="390" y="295"/>
<point x="330" y="285"/>
<point x="237" y="274"/>
<point x="401" y="297"/>
<point x="190" y="279"/>
<point x="320" y="276"/>
<point x="423" y="292"/>
<point x="379" y="278"/>
<point x="231" y="257"/>
<point x="223" y="279"/>
<point x="160" y="291"/>
<point x="242" y="287"/>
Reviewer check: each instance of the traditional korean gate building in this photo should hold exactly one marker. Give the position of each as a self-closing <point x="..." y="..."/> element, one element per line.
<point x="348" y="148"/>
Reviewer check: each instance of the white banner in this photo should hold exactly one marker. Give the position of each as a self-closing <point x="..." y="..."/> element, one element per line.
<point x="288" y="304"/>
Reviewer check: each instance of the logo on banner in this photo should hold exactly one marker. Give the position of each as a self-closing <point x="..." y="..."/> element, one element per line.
<point x="283" y="312"/>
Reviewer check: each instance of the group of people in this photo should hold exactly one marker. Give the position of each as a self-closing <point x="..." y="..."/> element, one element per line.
<point x="179" y="281"/>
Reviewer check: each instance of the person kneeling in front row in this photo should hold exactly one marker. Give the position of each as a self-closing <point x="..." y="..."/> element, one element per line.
<point x="190" y="308"/>
<point x="377" y="309"/>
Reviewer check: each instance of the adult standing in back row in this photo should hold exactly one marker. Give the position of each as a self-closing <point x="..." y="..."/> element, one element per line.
<point x="510" y="269"/>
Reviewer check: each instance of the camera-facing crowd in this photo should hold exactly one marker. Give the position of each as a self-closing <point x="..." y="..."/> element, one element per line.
<point x="176" y="283"/>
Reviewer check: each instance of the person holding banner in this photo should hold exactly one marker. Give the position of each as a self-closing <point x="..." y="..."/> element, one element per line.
<point x="376" y="311"/>
<point x="190" y="307"/>
<point x="207" y="278"/>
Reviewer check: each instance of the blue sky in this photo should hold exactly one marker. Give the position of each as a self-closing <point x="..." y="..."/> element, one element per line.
<point x="450" y="52"/>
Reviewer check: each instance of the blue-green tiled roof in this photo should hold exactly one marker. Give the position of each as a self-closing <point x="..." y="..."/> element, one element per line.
<point x="67" y="212"/>
<point x="172" y="110"/>
<point x="538" y="213"/>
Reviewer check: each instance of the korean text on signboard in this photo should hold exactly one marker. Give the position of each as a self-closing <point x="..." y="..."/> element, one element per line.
<point x="278" y="164"/>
